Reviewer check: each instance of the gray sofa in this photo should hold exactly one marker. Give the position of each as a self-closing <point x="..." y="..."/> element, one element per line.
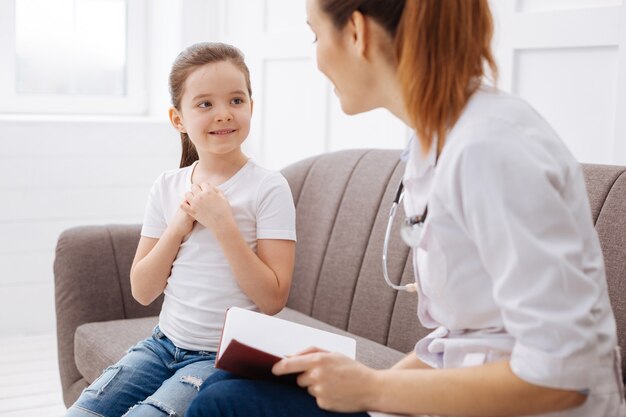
<point x="342" y="202"/>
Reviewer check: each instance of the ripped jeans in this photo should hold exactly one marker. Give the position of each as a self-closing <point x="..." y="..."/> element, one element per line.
<point x="155" y="378"/>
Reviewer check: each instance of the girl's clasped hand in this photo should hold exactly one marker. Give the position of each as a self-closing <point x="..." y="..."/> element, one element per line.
<point x="207" y="205"/>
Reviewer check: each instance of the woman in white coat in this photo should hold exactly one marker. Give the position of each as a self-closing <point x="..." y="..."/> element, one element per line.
<point x="509" y="269"/>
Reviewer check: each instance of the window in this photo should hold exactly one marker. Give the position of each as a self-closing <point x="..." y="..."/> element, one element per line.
<point x="72" y="56"/>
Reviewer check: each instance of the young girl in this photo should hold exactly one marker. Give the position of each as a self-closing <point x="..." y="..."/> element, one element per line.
<point x="218" y="232"/>
<point x="509" y="271"/>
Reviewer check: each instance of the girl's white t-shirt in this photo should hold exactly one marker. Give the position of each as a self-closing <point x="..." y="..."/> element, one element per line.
<point x="202" y="286"/>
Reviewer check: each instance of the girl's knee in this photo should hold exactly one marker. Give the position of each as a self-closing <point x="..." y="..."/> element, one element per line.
<point x="93" y="400"/>
<point x="150" y="408"/>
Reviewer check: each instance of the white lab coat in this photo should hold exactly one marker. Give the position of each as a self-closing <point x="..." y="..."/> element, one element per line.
<point x="510" y="266"/>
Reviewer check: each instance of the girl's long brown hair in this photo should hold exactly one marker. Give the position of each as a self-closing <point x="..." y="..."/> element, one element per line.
<point x="442" y="48"/>
<point x="195" y="56"/>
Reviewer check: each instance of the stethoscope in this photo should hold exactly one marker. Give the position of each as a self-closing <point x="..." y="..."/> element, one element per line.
<point x="411" y="233"/>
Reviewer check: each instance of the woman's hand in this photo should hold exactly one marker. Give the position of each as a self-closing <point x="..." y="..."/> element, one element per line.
<point x="208" y="205"/>
<point x="337" y="382"/>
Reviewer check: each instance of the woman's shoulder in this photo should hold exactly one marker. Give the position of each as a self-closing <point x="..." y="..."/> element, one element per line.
<point x="502" y="132"/>
<point x="489" y="106"/>
<point x="504" y="121"/>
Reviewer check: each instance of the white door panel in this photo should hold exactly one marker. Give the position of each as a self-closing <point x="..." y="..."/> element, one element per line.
<point x="568" y="59"/>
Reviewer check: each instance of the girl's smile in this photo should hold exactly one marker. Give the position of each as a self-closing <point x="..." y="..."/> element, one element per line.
<point x="223" y="132"/>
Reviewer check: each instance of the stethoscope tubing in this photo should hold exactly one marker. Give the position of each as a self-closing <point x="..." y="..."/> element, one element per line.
<point x="392" y="215"/>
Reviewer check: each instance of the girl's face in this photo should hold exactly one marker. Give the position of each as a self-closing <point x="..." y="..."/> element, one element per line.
<point x="338" y="59"/>
<point x="215" y="109"/>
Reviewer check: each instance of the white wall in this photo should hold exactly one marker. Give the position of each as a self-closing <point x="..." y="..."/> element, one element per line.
<point x="567" y="57"/>
<point x="58" y="172"/>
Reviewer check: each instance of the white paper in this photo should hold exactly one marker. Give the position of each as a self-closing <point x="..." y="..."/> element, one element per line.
<point x="280" y="337"/>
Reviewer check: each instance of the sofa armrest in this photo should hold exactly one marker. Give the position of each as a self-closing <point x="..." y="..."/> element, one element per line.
<point x="91" y="276"/>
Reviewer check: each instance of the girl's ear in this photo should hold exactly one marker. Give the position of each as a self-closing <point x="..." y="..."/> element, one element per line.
<point x="358" y="32"/>
<point x="251" y="106"/>
<point x="177" y="120"/>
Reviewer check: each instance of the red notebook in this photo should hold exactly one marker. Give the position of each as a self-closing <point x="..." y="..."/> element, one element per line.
<point x="246" y="361"/>
<point x="252" y="343"/>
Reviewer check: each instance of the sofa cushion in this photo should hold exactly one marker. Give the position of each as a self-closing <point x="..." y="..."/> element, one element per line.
<point x="98" y="345"/>
<point x="370" y="353"/>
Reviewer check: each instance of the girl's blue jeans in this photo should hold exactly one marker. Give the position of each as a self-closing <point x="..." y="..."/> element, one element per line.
<point x="155" y="378"/>
<point x="225" y="395"/>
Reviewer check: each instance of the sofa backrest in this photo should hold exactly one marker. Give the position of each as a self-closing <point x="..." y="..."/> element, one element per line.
<point x="342" y="204"/>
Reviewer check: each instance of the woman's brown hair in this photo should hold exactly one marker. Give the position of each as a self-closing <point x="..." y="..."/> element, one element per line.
<point x="195" y="56"/>
<point x="442" y="47"/>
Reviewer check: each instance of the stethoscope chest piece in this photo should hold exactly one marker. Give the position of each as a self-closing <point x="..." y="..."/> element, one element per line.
<point x="412" y="230"/>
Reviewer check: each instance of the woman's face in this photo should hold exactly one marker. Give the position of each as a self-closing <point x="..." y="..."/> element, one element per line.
<point x="338" y="60"/>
